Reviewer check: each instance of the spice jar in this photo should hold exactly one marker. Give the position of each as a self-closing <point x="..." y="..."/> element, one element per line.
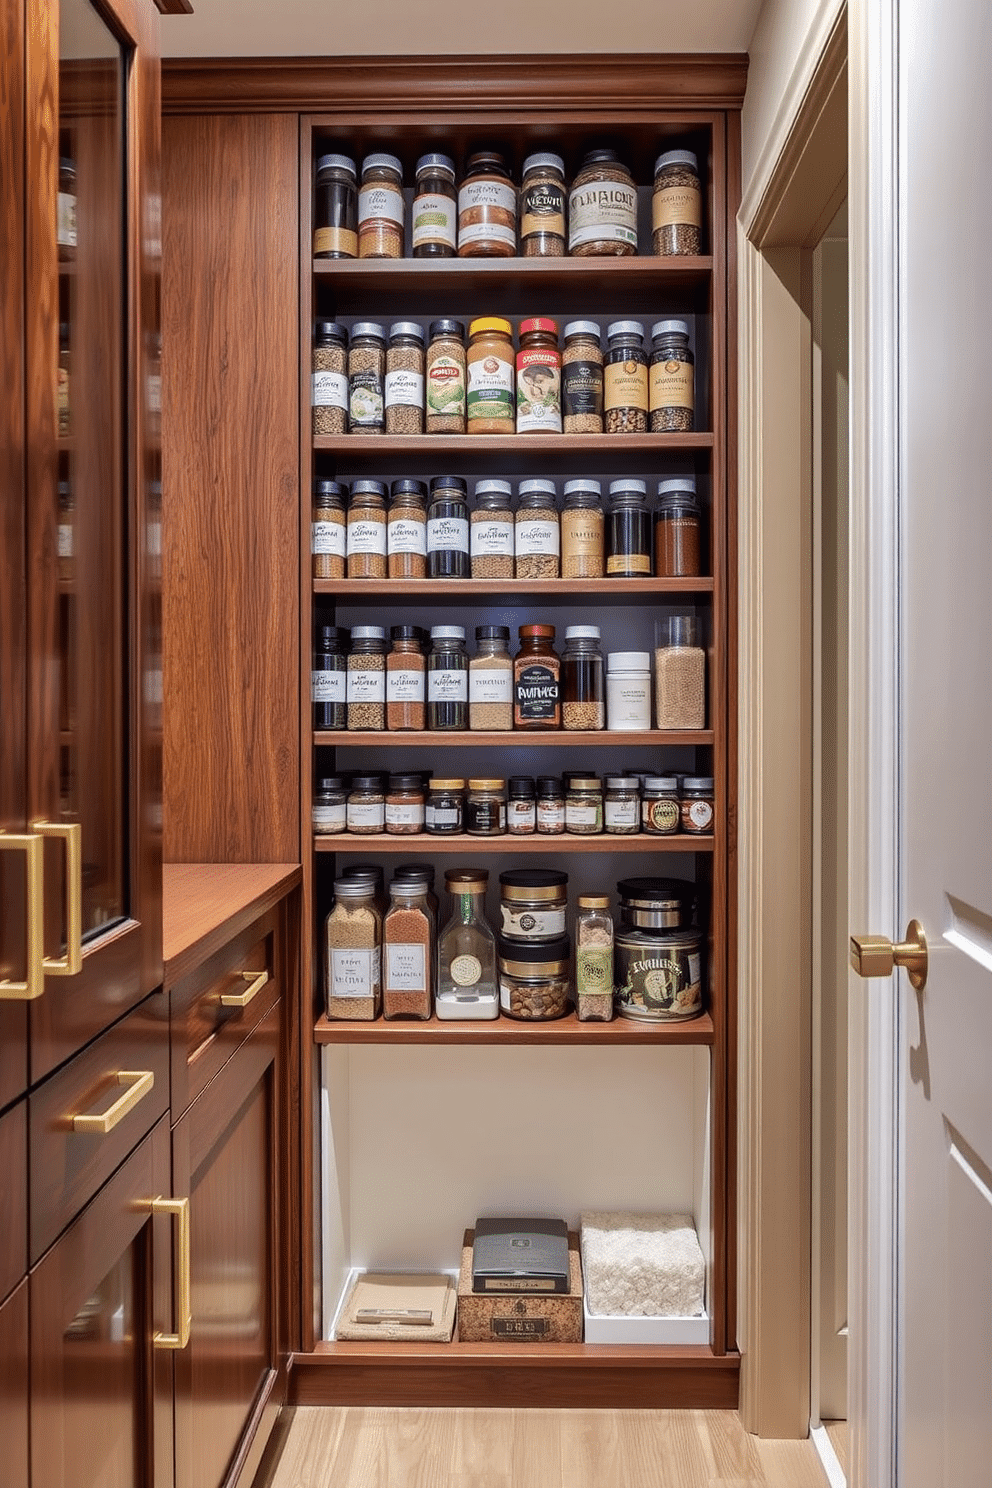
<point x="366" y="544"/>
<point x="550" y="806"/>
<point x="445" y="378"/>
<point x="447" y="679"/>
<point x="490" y="680"/>
<point x="445" y="809"/>
<point x="64" y="382"/>
<point x="676" y="528"/>
<point x="696" y="804"/>
<point x="487" y="209"/>
<point x="405" y="804"/>
<point x="602" y="207"/>
<point x="329" y="379"/>
<point x="328" y="678"/>
<point x="625" y="379"/>
<point x="676" y="204"/>
<point x="485" y="808"/>
<point x="366" y="805"/>
<point x="628" y="543"/>
<point x="447" y="528"/>
<point x="594" y="959"/>
<point x="537" y="531"/>
<point x="422" y="873"/>
<point x="622" y="805"/>
<point x="406" y="530"/>
<point x="404" y="385"/>
<point x="328" y="534"/>
<point x="533" y="902"/>
<point x="352" y="952"/>
<point x="366" y="378"/>
<point x="367" y="678"/>
<point x="490" y="402"/>
<point x="536" y="680"/>
<point x="660" y="805"/>
<point x="67" y="530"/>
<point x="534" y="978"/>
<point x="335" y="208"/>
<point x="467" y="985"/>
<point x="582" y="378"/>
<point x="491" y="531"/>
<point x="672" y="392"/>
<point x="583" y="692"/>
<point x="328" y="810"/>
<point x="521" y="806"/>
<point x="373" y="878"/>
<point x="406" y="672"/>
<point x="538" y="378"/>
<point x="628" y="691"/>
<point x="542" y="207"/>
<point x="434" y="222"/>
<point x="680" y="674"/>
<point x="582" y="531"/>
<point x="584" y="806"/>
<point x="380" y="208"/>
<point x="66" y="234"/>
<point x="406" y="951"/>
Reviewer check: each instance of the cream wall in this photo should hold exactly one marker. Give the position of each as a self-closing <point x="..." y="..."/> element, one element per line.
<point x="781" y="35"/>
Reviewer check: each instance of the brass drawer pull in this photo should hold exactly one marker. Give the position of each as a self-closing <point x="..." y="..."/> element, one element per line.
<point x="71" y="833"/>
<point x="257" y="979"/>
<point x="184" y="1305"/>
<point x="138" y="1083"/>
<point x="34" y="927"/>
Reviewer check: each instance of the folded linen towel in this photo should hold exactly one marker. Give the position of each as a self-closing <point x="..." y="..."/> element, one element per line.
<point x="642" y="1265"/>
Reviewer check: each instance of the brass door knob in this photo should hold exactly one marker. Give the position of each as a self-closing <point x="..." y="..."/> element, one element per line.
<point x="875" y="955"/>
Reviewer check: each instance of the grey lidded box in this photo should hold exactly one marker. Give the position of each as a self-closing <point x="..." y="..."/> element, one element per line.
<point x="520" y="1255"/>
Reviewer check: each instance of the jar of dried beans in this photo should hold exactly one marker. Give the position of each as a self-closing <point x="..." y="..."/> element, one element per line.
<point x="625" y="379"/>
<point x="435" y="208"/>
<point x="490" y="680"/>
<point x="582" y="531"/>
<point x="676" y="204"/>
<point x="676" y="528"/>
<point x="533" y="979"/>
<point x="602" y="207"/>
<point x="537" y="531"/>
<point x="328" y="533"/>
<point x="583" y="691"/>
<point x="329" y="379"/>
<point x="487" y="209"/>
<point x="447" y="528"/>
<point x="680" y="674"/>
<point x="380" y="208"/>
<point x="367" y="678"/>
<point x="366" y="547"/>
<point x="367" y="378"/>
<point x="582" y="378"/>
<point x="538" y="378"/>
<point x="406" y="530"/>
<point x="491" y="406"/>
<point x="542" y="207"/>
<point x="406" y="679"/>
<point x="404" y="384"/>
<point x="672" y="393"/>
<point x="335" y="208"/>
<point x="628" y="544"/>
<point x="445" y="378"/>
<point x="491" y="531"/>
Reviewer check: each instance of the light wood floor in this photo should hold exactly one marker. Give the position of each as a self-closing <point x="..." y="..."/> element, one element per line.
<point x="330" y="1447"/>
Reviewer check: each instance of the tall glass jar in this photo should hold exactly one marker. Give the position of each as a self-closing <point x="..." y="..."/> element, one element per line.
<point x="583" y="545"/>
<point x="676" y="204"/>
<point x="490" y="680"/>
<point x="329" y="378"/>
<point x="445" y="378"/>
<point x="447" y="679"/>
<point x="435" y="208"/>
<point x="491" y="531"/>
<point x="602" y="207"/>
<point x="366" y="545"/>
<point x="677" y="528"/>
<point x="447" y="528"/>
<point x="487" y="208"/>
<point x="367" y="378"/>
<point x="491" y="406"/>
<point x="538" y="378"/>
<point x="406" y="680"/>
<point x="628" y="542"/>
<point x="583" y="684"/>
<point x="353" y="952"/>
<point x="582" y="378"/>
<point x="672" y="378"/>
<point x="543" y="200"/>
<point x="537" y="680"/>
<point x="335" y="208"/>
<point x="594" y="958"/>
<point x="467" y="985"/>
<point x="380" y="208"/>
<point x="406" y="530"/>
<point x="367" y="678"/>
<point x="625" y="379"/>
<point x="537" y="531"/>
<point x="406" y="951"/>
<point x="328" y="684"/>
<point x="680" y="674"/>
<point x="403" y="390"/>
<point x="328" y="532"/>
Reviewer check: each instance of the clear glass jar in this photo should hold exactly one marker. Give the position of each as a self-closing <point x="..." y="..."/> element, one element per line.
<point x="328" y="530"/>
<point x="66" y="234"/>
<point x="625" y="379"/>
<point x="380" y="208"/>
<point x="537" y="531"/>
<point x="628" y="542"/>
<point x="372" y="876"/>
<point x="534" y="982"/>
<point x="538" y="378"/>
<point x="328" y="678"/>
<point x="335" y="210"/>
<point x="583" y="531"/>
<point x="406" y="530"/>
<point x="406" y="680"/>
<point x="672" y="394"/>
<point x="680" y="674"/>
<point x="660" y="805"/>
<point x="365" y="809"/>
<point x="543" y="201"/>
<point x="485" y="808"/>
<point x="467" y="985"/>
<point x="533" y="903"/>
<point x="521" y="806"/>
<point x="328" y="808"/>
<point x="491" y="531"/>
<point x="405" y="805"/>
<point x="550" y="806"/>
<point x="490" y="401"/>
<point x="329" y="378"/>
<point x="447" y="679"/>
<point x="407" y="944"/>
<point x="622" y="805"/>
<point x="696" y="804"/>
<point x="490" y="680"/>
<point x="677" y="529"/>
<point x="582" y="378"/>
<point x="367" y="378"/>
<point x="602" y="207"/>
<point x="676" y="204"/>
<point x="487" y="209"/>
<point x="435" y="208"/>
<point x="583" y="687"/>
<point x="447" y="528"/>
<point x="536" y="679"/>
<point x="353" y="952"/>
<point x="367" y="678"/>
<point x="445" y="378"/>
<point x="584" y="806"/>
<point x="628" y="692"/>
<point x="445" y="809"/>
<point x="403" y="392"/>
<point x="594" y="959"/>
<point x="367" y="531"/>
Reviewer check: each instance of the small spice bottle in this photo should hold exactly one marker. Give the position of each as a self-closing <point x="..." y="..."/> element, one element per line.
<point x="696" y="804"/>
<point x="367" y="378"/>
<point x="550" y="806"/>
<point x="537" y="531"/>
<point x="445" y="808"/>
<point x="445" y="378"/>
<point x="538" y="378"/>
<point x="625" y="379"/>
<point x="676" y="204"/>
<point x="366" y="544"/>
<point x="328" y="533"/>
<point x="521" y="808"/>
<point x="602" y="207"/>
<point x="406" y="530"/>
<point x="406" y="951"/>
<point x="680" y="674"/>
<point x="485" y="808"/>
<point x="365" y="809"/>
<point x="328" y="809"/>
<point x="672" y="391"/>
<point x="583" y="689"/>
<point x="66" y="235"/>
<point x="403" y="393"/>
<point x="660" y="805"/>
<point x="435" y="208"/>
<point x="67" y="531"/>
<point x="536" y="680"/>
<point x="584" y="806"/>
<point x="628" y="691"/>
<point x="422" y="873"/>
<point x="64" y="381"/>
<point x="594" y="959"/>
<point x="582" y="378"/>
<point x="367" y="678"/>
<point x="491" y="531"/>
<point x="543" y="201"/>
<point x="628" y="540"/>
<point x="677" y="529"/>
<point x="329" y="378"/>
<point x="352" y="952"/>
<point x="335" y="208"/>
<point x="328" y="678"/>
<point x="490" y="680"/>
<point x="490" y="401"/>
<point x="487" y="208"/>
<point x="583" y="531"/>
<point x="380" y="208"/>
<point x="622" y="805"/>
<point x="447" y="679"/>
<point x="405" y="804"/>
<point x="447" y="528"/>
<point x="406" y="678"/>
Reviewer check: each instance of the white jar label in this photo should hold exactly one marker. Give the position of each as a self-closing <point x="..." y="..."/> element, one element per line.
<point x="66" y="220"/>
<point x="628" y="703"/>
<point x="700" y="813"/>
<point x="581" y="816"/>
<point x="550" y="815"/>
<point x="490" y="685"/>
<point x="537" y="537"/>
<point x="354" y="973"/>
<point x="494" y="205"/>
<point x="366" y="537"/>
<point x="492" y="538"/>
<point x="442" y="816"/>
<point x="406" y="815"/>
<point x="447" y="687"/>
<point x="521" y="816"/>
<point x="405" y="536"/>
<point x="466" y="971"/>
<point x="404" y="388"/>
<point x="330" y="818"/>
<point x="371" y="817"/>
<point x="435" y="220"/>
<point x="330" y="390"/>
<point x="381" y="203"/>
<point x="406" y="968"/>
<point x="602" y="211"/>
<point x="65" y="539"/>
<point x="620" y="813"/>
<point x="327" y="687"/>
<point x="485" y="194"/>
<point x="366" y="687"/>
<point x="328" y="537"/>
<point x="447" y="534"/>
<point x="535" y="924"/>
<point x="404" y="687"/>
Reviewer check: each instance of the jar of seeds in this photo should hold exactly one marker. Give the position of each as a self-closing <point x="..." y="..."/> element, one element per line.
<point x="594" y="959"/>
<point x="435" y="208"/>
<point x="583" y="689"/>
<point x="677" y="204"/>
<point x="406" y="680"/>
<point x="445" y="378"/>
<point x="538" y="378"/>
<point x="487" y="208"/>
<point x="335" y="208"/>
<point x="405" y="805"/>
<point x="367" y="378"/>
<point x="582" y="531"/>
<point x="672" y="393"/>
<point x="445" y="810"/>
<point x="491" y="531"/>
<point x="521" y="807"/>
<point x="537" y="531"/>
<point x="550" y="806"/>
<point x="404" y="386"/>
<point x="447" y="528"/>
<point x="328" y="809"/>
<point x="625" y="379"/>
<point x="677" y="529"/>
<point x="490" y="680"/>
<point x="622" y="805"/>
<point x="328" y="532"/>
<point x="542" y="207"/>
<point x="328" y="679"/>
<point x="367" y="678"/>
<point x="602" y="207"/>
<point x="447" y="679"/>
<point x="584" y="806"/>
<point x="406" y="530"/>
<point x="485" y="808"/>
<point x="366" y="542"/>
<point x="380" y="208"/>
<point x="329" y="379"/>
<point x="366" y="805"/>
<point x="660" y="805"/>
<point x="628" y="542"/>
<point x="352" y="953"/>
<point x="680" y="674"/>
<point x="582" y="378"/>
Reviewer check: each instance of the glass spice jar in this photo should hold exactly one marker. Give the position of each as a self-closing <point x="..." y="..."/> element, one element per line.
<point x="405" y="805"/>
<point x="352" y="952"/>
<point x="64" y="381"/>
<point x="537" y="531"/>
<point x="490" y="402"/>
<point x="625" y="379"/>
<point x="602" y="207"/>
<point x="542" y="207"/>
<point x="660" y="805"/>
<point x="367" y="378"/>
<point x="328" y="532"/>
<point x="447" y="528"/>
<point x="584" y="806"/>
<point x="622" y="805"/>
<point x="406" y="951"/>
<point x="491" y="531"/>
<point x="672" y="396"/>
<point x="329" y="380"/>
<point x="583" y="688"/>
<point x="328" y="810"/>
<point x="536" y="680"/>
<point x="367" y="678"/>
<point x="676" y="204"/>
<point x="490" y="680"/>
<point x="434" y="223"/>
<point x="406" y="680"/>
<point x="445" y="810"/>
<point x="335" y="209"/>
<point x="680" y="674"/>
<point x="366" y="542"/>
<point x="66" y="234"/>
<point x="582" y="378"/>
<point x="538" y="378"/>
<point x="372" y="877"/>
<point x="445" y="378"/>
<point x="582" y="531"/>
<point x="696" y="804"/>
<point x="677" y="529"/>
<point x="521" y="807"/>
<point x="487" y="208"/>
<point x="365" y="809"/>
<point x="534" y="978"/>
<point x="447" y="679"/>
<point x="328" y="678"/>
<point x="628" y="541"/>
<point x="485" y="808"/>
<point x="403" y="390"/>
<point x="406" y="530"/>
<point x="594" y="959"/>
<point x="550" y="806"/>
<point x="380" y="208"/>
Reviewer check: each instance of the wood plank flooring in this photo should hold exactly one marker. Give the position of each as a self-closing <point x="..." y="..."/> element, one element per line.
<point x="352" y="1447"/>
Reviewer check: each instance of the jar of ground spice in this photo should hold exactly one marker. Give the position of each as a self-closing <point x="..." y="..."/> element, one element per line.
<point x="328" y="531"/>
<point x="335" y="212"/>
<point x="490" y="680"/>
<point x="329" y="378"/>
<point x="584" y="806"/>
<point x="536" y="680"/>
<point x="406" y="680"/>
<point x="445" y="378"/>
<point x="328" y="684"/>
<point x="680" y="674"/>
<point x="602" y="207"/>
<point x="537" y="531"/>
<point x="538" y="378"/>
<point x="367" y="378"/>
<point x="676" y="528"/>
<point x="352" y="953"/>
<point x="328" y="810"/>
<point x="521" y="806"/>
<point x="487" y="209"/>
<point x="583" y="554"/>
<point x="594" y="959"/>
<point x="628" y="539"/>
<point x="543" y="200"/>
<point x="447" y="528"/>
<point x="365" y="810"/>
<point x="405" y="804"/>
<point x="490" y="401"/>
<point x="445" y="809"/>
<point x="582" y="378"/>
<point x="434" y="221"/>
<point x="447" y="679"/>
<point x="676" y="204"/>
<point x="380" y="208"/>
<point x="404" y="385"/>
<point x="367" y="678"/>
<point x="491" y="531"/>
<point x="485" y="808"/>
<point x="406" y="952"/>
<point x="550" y="806"/>
<point x="583" y="687"/>
<point x="625" y="379"/>
<point x="672" y="378"/>
<point x="696" y="804"/>
<point x="366" y="543"/>
<point x="406" y="530"/>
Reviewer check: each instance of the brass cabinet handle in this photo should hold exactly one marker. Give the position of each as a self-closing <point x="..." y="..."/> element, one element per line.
<point x="31" y="845"/>
<point x="875" y="955"/>
<point x="184" y="1306"/>
<point x="71" y="834"/>
<point x="137" y="1083"/>
<point x="257" y="979"/>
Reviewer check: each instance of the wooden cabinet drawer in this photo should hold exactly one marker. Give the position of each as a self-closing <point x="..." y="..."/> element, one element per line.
<point x="121" y="1083"/>
<point x="207" y="1020"/>
<point x="14" y="1168"/>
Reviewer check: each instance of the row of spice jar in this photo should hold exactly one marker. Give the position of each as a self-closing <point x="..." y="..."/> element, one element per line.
<point x="487" y="217"/>
<point x="379" y="382"/>
<point x="579" y="804"/>
<point x="408" y="531"/>
<point x="359" y="681"/>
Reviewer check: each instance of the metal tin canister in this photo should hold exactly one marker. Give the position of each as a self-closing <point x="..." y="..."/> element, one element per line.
<point x="658" y="976"/>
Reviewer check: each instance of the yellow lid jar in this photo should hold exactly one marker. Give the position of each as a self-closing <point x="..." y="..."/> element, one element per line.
<point x="491" y="403"/>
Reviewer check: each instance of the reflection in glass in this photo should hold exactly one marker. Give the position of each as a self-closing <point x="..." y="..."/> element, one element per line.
<point x="99" y="1358"/>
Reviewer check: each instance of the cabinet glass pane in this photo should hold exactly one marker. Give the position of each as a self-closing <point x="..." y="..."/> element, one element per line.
<point x="91" y="442"/>
<point x="101" y="1366"/>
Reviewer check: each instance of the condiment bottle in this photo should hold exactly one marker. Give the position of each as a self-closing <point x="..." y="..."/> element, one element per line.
<point x="406" y="951"/>
<point x="403" y="390"/>
<point x="491" y="407"/>
<point x="380" y="208"/>
<point x="542" y="207"/>
<point x="660" y="805"/>
<point x="582" y="531"/>
<point x="536" y="680"/>
<point x="537" y="531"/>
<point x="352" y="959"/>
<point x="625" y="379"/>
<point x="447" y="679"/>
<point x="328" y="681"/>
<point x="628" y="691"/>
<point x="329" y="379"/>
<point x="582" y="378"/>
<point x="328" y="533"/>
<point x="366" y="543"/>
<point x="594" y="958"/>
<point x="628" y="542"/>
<point x="367" y="678"/>
<point x="435" y="208"/>
<point x="696" y="804"/>
<point x="335" y="213"/>
<point x="487" y="209"/>
<point x="447" y="528"/>
<point x="680" y="674"/>
<point x="467" y="985"/>
<point x="490" y="680"/>
<point x="367" y="378"/>
<point x="602" y="207"/>
<point x="328" y="808"/>
<point x="445" y="378"/>
<point x="521" y="808"/>
<point x="550" y="806"/>
<point x="406" y="678"/>
<point x="583" y="690"/>
<point x="366" y="805"/>
<point x="406" y="530"/>
<point x="672" y="378"/>
<point x="676" y="204"/>
<point x="538" y="378"/>
<point x="491" y="531"/>
<point x="676" y="528"/>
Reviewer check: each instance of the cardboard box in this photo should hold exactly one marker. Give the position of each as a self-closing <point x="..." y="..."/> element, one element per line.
<point x="520" y="1317"/>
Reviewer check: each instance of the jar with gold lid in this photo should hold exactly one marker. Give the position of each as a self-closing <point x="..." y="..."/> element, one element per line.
<point x="491" y="402"/>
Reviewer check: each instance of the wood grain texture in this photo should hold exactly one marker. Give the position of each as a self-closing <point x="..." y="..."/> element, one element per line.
<point x="204" y="905"/>
<point x="502" y="1031"/>
<point x="14" y="1166"/>
<point x="641" y="843"/>
<point x="14" y="1408"/>
<point x="839" y="1437"/>
<point x="231" y="530"/>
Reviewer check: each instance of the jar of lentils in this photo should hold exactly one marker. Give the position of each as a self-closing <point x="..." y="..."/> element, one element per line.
<point x="542" y="207"/>
<point x="445" y="378"/>
<point x="582" y="531"/>
<point x="328" y="534"/>
<point x="602" y="207"/>
<point x="491" y="531"/>
<point x="537" y="532"/>
<point x="367" y="530"/>
<point x="487" y="208"/>
<point x="367" y="678"/>
<point x="673" y="395"/>
<point x="582" y="378"/>
<point x="329" y="379"/>
<point x="380" y="208"/>
<point x="625" y="379"/>
<point x="404" y="384"/>
<point x="677" y="204"/>
<point x="367" y="378"/>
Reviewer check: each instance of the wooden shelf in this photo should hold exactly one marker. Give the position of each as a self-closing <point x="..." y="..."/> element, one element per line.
<point x="617" y="591"/>
<point x="524" y="447"/>
<point x="523" y="738"/>
<point x="540" y="843"/>
<point x="567" y="1030"/>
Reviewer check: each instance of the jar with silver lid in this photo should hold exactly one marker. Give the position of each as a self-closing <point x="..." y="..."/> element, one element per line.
<point x="537" y="531"/>
<point x="584" y="806"/>
<point x="404" y="382"/>
<point x="366" y="539"/>
<point x="491" y="534"/>
<point x="621" y="805"/>
<point x="625" y="379"/>
<point x="367" y="678"/>
<point x="380" y="208"/>
<point x="328" y="810"/>
<point x="677" y="204"/>
<point x="435" y="208"/>
<point x="367" y="378"/>
<point x="447" y="679"/>
<point x="583" y="528"/>
<point x="542" y="207"/>
<point x="628" y="530"/>
<point x="696" y="804"/>
<point x="582" y="378"/>
<point x="672" y="385"/>
<point x="660" y="805"/>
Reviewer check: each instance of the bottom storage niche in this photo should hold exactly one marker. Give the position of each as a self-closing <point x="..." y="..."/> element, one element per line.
<point x="418" y="1142"/>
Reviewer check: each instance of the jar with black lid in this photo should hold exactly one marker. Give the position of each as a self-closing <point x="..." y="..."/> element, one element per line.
<point x="405" y="804"/>
<point x="447" y="529"/>
<point x="534" y="978"/>
<point x="521" y="808"/>
<point x="406" y="679"/>
<point x="447" y="679"/>
<point x="445" y="378"/>
<point x="328" y="685"/>
<point x="628" y="539"/>
<point x="542" y="207"/>
<point x="625" y="379"/>
<point x="366" y="805"/>
<point x="329" y="378"/>
<point x="435" y="208"/>
<point x="550" y="806"/>
<point x="328" y="811"/>
<point x="660" y="805"/>
<point x="673" y="387"/>
<point x="406" y="530"/>
<point x="403" y="389"/>
<point x="445" y="809"/>
<point x="602" y="207"/>
<point x="583" y="687"/>
<point x="380" y="208"/>
<point x="677" y="528"/>
<point x="533" y="902"/>
<point x="367" y="378"/>
<point x="335" y="213"/>
<point x="328" y="532"/>
<point x="676" y="204"/>
<point x="487" y="208"/>
<point x="485" y="808"/>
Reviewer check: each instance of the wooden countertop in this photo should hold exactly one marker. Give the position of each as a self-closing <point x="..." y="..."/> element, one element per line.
<point x="205" y="904"/>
